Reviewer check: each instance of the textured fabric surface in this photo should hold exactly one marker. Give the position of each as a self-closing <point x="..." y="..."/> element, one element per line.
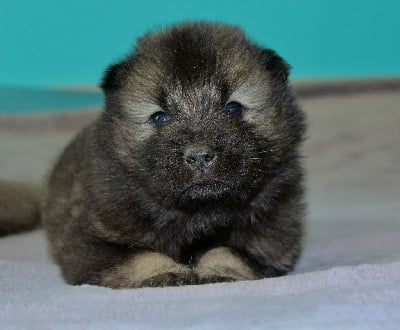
<point x="348" y="276"/>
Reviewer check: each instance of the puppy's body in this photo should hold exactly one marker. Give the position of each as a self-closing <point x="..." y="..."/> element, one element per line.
<point x="190" y="175"/>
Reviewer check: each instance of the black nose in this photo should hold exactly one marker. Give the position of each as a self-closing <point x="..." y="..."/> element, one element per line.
<point x="199" y="157"/>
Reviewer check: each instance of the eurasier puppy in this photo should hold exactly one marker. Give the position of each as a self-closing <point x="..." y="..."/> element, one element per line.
<point x="191" y="174"/>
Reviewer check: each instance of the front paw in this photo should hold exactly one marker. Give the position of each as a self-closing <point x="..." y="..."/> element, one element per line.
<point x="216" y="278"/>
<point x="171" y="279"/>
<point x="222" y="265"/>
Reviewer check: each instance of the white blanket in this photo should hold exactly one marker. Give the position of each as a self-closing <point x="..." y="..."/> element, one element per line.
<point x="348" y="276"/>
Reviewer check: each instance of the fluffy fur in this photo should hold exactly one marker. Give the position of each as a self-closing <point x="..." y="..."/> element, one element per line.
<point x="124" y="207"/>
<point x="19" y="207"/>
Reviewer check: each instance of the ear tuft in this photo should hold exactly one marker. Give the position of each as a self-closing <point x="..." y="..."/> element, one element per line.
<point x="114" y="77"/>
<point x="275" y="64"/>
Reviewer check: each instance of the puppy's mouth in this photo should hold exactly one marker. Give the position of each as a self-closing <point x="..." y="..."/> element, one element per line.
<point x="205" y="194"/>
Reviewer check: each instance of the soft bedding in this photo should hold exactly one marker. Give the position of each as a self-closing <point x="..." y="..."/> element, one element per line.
<point x="348" y="275"/>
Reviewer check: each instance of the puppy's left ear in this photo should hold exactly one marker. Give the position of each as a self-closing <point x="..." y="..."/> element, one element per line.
<point x="275" y="64"/>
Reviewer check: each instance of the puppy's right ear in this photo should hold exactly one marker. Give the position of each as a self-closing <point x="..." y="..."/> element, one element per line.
<point x="115" y="76"/>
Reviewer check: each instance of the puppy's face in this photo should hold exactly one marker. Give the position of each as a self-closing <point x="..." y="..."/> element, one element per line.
<point x="200" y="117"/>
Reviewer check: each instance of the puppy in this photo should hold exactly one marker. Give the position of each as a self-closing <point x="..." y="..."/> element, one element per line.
<point x="190" y="175"/>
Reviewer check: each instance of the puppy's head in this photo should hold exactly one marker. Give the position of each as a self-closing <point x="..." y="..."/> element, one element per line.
<point x="201" y="117"/>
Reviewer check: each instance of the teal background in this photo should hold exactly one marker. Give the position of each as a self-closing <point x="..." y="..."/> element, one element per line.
<point x="53" y="43"/>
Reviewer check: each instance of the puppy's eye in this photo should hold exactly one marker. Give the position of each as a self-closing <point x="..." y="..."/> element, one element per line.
<point x="159" y="117"/>
<point x="234" y="108"/>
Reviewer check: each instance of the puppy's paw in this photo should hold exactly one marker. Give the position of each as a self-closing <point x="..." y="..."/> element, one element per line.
<point x="221" y="265"/>
<point x="149" y="269"/>
<point x="171" y="279"/>
<point x="216" y="278"/>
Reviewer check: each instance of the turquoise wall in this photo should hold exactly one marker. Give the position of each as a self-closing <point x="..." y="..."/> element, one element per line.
<point x="45" y="43"/>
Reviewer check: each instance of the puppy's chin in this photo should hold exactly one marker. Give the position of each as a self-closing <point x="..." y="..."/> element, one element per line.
<point x="207" y="195"/>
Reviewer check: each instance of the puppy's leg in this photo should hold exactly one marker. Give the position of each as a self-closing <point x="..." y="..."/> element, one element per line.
<point x="148" y="269"/>
<point x="85" y="259"/>
<point x="222" y="265"/>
